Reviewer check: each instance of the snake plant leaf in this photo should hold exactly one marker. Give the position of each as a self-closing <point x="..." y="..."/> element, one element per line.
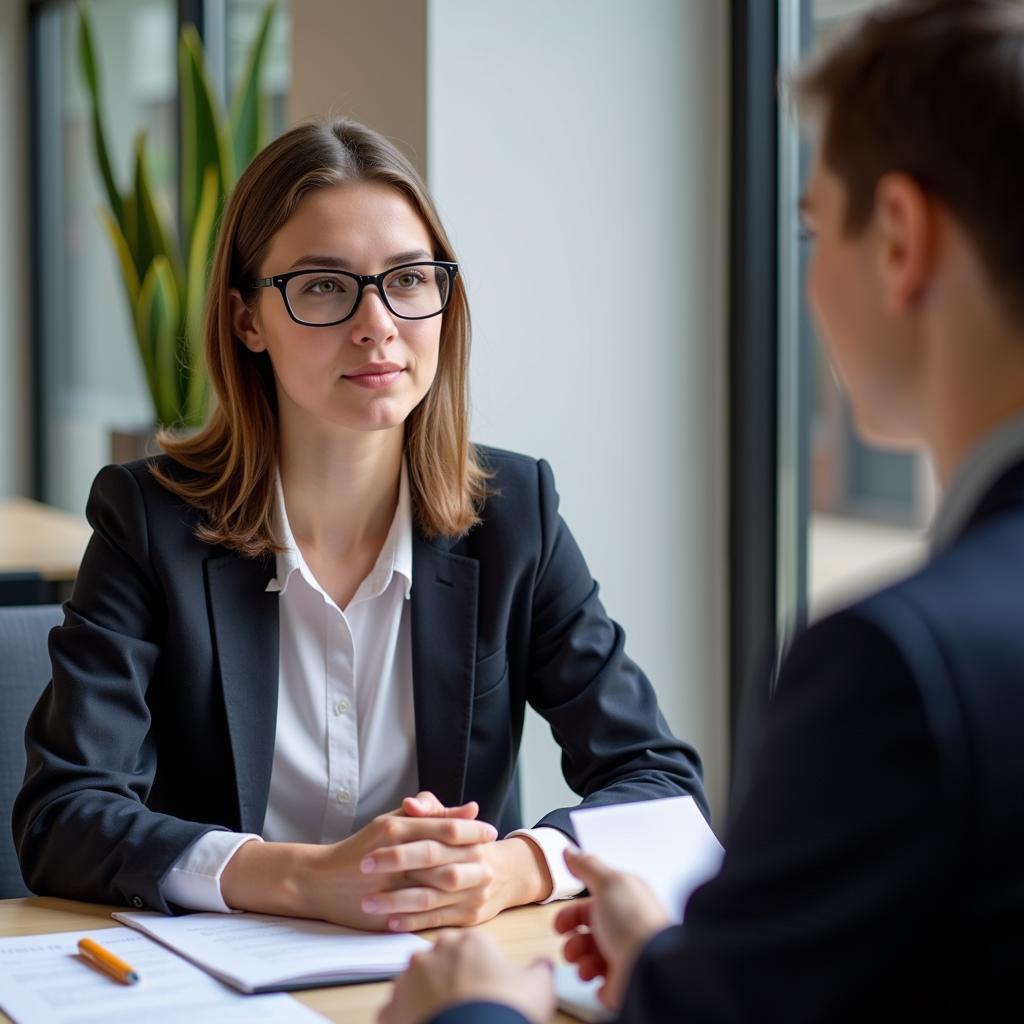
<point x="200" y="251"/>
<point x="130" y="228"/>
<point x="129" y="273"/>
<point x="130" y="277"/>
<point x="248" y="111"/>
<point x="157" y="323"/>
<point x="151" y="238"/>
<point x="203" y="135"/>
<point x="90" y="72"/>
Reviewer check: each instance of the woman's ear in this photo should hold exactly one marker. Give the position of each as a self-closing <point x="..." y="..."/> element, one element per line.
<point x="906" y="227"/>
<point x="244" y="323"/>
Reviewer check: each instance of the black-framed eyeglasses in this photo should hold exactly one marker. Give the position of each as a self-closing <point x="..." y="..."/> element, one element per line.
<point x="323" y="298"/>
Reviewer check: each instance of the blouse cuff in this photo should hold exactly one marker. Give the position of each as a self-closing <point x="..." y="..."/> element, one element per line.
<point x="194" y="879"/>
<point x="552" y="844"/>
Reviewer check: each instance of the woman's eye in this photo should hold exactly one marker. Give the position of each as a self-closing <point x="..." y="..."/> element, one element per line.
<point x="323" y="286"/>
<point x="410" y="279"/>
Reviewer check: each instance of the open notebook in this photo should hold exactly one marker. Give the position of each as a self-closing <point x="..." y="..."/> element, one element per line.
<point x="261" y="953"/>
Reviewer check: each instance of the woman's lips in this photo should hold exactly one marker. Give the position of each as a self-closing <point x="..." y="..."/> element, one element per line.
<point x="374" y="380"/>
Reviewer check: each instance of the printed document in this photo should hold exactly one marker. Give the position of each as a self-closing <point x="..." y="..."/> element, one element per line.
<point x="44" y="980"/>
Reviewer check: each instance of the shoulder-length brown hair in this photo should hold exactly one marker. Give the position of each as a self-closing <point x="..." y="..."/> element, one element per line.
<point x="233" y="459"/>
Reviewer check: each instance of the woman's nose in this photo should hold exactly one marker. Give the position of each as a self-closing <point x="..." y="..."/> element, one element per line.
<point x="372" y="321"/>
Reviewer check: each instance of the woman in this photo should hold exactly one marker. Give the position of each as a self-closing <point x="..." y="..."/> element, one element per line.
<point x="327" y="600"/>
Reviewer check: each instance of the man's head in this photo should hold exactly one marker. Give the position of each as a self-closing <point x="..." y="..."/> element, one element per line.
<point x="917" y="196"/>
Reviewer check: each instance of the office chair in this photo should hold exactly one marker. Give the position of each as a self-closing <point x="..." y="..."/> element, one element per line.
<point x="24" y="672"/>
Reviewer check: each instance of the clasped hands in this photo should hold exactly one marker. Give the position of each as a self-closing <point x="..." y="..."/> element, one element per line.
<point x="605" y="935"/>
<point x="423" y="865"/>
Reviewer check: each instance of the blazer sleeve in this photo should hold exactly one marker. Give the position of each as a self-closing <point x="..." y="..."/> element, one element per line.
<point x="479" y="1013"/>
<point x="81" y="825"/>
<point x="839" y="859"/>
<point x="616" y="745"/>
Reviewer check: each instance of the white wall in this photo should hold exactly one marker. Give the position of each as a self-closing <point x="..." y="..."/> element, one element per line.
<point x="577" y="151"/>
<point x="15" y="410"/>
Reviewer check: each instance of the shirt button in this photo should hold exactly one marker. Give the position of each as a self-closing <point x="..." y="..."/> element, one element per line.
<point x="344" y="796"/>
<point x="341" y="707"/>
<point x="138" y="902"/>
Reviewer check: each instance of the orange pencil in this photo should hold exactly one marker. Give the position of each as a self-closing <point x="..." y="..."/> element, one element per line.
<point x="107" y="961"/>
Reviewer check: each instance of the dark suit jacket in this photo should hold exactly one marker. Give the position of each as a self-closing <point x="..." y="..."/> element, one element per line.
<point x="159" y="722"/>
<point x="874" y="864"/>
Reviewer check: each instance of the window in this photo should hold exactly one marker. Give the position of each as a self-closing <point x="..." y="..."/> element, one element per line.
<point x="89" y="375"/>
<point x="863" y="509"/>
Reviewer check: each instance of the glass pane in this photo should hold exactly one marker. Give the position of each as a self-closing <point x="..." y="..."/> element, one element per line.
<point x="867" y="508"/>
<point x="92" y="375"/>
<point x="242" y="18"/>
<point x="91" y="372"/>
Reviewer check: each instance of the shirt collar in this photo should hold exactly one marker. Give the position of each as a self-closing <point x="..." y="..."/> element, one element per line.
<point x="986" y="462"/>
<point x="395" y="554"/>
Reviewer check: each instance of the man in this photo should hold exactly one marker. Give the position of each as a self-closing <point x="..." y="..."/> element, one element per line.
<point x="874" y="861"/>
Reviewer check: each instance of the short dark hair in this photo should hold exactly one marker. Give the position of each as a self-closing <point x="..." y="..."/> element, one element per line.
<point x="935" y="89"/>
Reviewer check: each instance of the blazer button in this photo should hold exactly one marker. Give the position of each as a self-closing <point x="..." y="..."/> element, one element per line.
<point x="138" y="902"/>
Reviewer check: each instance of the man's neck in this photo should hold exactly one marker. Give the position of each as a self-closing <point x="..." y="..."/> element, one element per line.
<point x="973" y="383"/>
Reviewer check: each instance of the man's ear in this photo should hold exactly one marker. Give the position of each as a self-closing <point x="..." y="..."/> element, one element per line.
<point x="908" y="238"/>
<point x="244" y="324"/>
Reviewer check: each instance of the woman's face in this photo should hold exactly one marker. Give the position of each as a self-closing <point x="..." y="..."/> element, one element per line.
<point x="369" y="372"/>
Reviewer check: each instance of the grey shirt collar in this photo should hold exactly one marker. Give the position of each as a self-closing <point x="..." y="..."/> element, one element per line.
<point x="984" y="465"/>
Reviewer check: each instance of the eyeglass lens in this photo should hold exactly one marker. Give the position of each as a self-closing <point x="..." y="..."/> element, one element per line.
<point x="324" y="297"/>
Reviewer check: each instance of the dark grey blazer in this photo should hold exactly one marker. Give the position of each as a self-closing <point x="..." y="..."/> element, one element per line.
<point x="159" y="722"/>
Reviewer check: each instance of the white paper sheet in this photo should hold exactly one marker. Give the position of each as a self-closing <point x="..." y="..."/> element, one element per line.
<point x="579" y="998"/>
<point x="44" y="981"/>
<point x="257" y="952"/>
<point x="666" y="842"/>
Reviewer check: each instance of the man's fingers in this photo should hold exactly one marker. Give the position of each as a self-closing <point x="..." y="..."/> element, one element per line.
<point x="579" y="946"/>
<point x="591" y="967"/>
<point x="590" y="870"/>
<point x="572" y="916"/>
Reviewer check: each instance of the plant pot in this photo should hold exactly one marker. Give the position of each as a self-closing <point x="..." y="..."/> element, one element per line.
<point x="129" y="445"/>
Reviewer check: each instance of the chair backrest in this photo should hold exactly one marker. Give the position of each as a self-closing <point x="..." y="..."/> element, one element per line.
<point x="24" y="672"/>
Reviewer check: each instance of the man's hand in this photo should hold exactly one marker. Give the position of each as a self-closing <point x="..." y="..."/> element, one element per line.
<point x="608" y="930"/>
<point x="464" y="967"/>
<point x="445" y="884"/>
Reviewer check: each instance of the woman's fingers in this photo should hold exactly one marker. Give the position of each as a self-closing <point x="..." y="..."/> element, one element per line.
<point x="407" y="901"/>
<point x="417" y="856"/>
<point x="455" y="915"/>
<point x="454" y="877"/>
<point x="425" y="804"/>
<point x="391" y="831"/>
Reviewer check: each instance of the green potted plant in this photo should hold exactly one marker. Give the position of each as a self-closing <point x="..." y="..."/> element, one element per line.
<point x="164" y="266"/>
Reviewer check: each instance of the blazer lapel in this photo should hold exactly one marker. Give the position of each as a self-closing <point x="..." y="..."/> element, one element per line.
<point x="444" y="629"/>
<point x="245" y="627"/>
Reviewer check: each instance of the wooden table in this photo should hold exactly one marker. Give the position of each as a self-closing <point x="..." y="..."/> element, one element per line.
<point x="41" y="539"/>
<point x="524" y="933"/>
